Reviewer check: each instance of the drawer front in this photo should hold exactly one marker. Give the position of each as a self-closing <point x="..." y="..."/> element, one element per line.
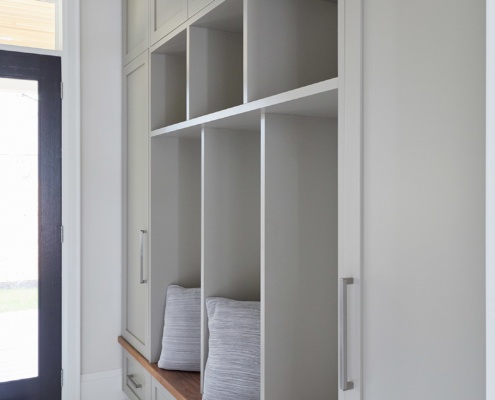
<point x="136" y="380"/>
<point x="158" y="392"/>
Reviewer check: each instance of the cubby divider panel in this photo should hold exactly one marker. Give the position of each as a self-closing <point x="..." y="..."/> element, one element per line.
<point x="288" y="44"/>
<point x="299" y="258"/>
<point x="175" y="223"/>
<point x="231" y="218"/>
<point x="168" y="89"/>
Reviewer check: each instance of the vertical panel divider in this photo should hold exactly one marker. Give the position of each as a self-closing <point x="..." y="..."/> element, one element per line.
<point x="262" y="257"/>
<point x="188" y="76"/>
<point x="204" y="326"/>
<point x="245" y="61"/>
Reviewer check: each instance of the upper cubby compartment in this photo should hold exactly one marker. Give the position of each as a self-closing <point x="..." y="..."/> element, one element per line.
<point x="168" y="87"/>
<point x="289" y="44"/>
<point x="215" y="60"/>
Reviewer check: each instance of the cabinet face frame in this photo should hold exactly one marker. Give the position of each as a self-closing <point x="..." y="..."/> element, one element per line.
<point x="143" y="348"/>
<point x="130" y="54"/>
<point x="350" y="120"/>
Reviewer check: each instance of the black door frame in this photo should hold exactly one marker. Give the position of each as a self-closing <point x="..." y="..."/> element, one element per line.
<point x="47" y="71"/>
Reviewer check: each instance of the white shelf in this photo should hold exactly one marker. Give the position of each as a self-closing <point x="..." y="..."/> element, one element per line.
<point x="316" y="100"/>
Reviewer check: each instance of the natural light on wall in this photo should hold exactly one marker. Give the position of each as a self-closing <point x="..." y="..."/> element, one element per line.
<point x="30" y="23"/>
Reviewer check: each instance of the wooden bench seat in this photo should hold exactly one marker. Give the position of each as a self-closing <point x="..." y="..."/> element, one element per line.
<point x="181" y="384"/>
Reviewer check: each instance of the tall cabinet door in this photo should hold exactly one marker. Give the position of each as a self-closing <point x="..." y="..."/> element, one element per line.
<point x="135" y="21"/>
<point x="136" y="155"/>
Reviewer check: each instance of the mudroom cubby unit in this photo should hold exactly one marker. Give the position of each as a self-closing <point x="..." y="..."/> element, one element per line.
<point x="247" y="177"/>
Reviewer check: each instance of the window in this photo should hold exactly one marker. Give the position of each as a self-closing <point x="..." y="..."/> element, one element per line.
<point x="30" y="23"/>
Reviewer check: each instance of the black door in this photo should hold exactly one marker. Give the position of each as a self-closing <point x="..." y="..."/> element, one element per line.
<point x="30" y="227"/>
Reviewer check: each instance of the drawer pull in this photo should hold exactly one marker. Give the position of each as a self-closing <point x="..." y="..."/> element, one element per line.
<point x="134" y="383"/>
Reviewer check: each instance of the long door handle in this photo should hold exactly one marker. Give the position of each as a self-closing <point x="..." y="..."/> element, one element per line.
<point x="141" y="255"/>
<point x="344" y="383"/>
<point x="133" y="381"/>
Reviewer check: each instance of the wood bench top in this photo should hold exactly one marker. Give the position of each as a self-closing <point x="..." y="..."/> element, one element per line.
<point x="181" y="384"/>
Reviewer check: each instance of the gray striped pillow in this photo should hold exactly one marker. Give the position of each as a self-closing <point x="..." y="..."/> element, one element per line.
<point x="181" y="344"/>
<point x="233" y="366"/>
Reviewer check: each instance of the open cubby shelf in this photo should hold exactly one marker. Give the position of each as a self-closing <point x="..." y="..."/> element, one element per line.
<point x="241" y="52"/>
<point x="317" y="100"/>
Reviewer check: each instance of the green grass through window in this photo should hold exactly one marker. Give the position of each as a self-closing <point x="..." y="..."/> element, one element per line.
<point x="18" y="299"/>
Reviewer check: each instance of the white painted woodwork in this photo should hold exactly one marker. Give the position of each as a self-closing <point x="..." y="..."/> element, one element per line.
<point x="215" y="65"/>
<point x="424" y="200"/>
<point x="196" y="5"/>
<point x="140" y="377"/>
<point x="288" y="44"/>
<point x="490" y="201"/>
<point x="299" y="260"/>
<point x="166" y="15"/>
<point x="168" y="84"/>
<point x="175" y="225"/>
<point x="135" y="138"/>
<point x="231" y="218"/>
<point x="317" y="100"/>
<point x="158" y="392"/>
<point x="135" y="21"/>
<point x="350" y="117"/>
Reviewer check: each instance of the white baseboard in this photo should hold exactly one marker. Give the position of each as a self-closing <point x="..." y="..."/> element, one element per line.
<point x="106" y="385"/>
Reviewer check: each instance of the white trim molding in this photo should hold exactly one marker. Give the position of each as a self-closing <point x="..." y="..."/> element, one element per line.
<point x="350" y="120"/>
<point x="490" y="199"/>
<point x="31" y="50"/>
<point x="71" y="195"/>
<point x="71" y="203"/>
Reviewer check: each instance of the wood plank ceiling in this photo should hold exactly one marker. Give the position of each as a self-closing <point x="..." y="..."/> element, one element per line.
<point x="28" y="23"/>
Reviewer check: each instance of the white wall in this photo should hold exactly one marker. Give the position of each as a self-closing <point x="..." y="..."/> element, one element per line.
<point x="490" y="202"/>
<point x="424" y="200"/>
<point x="101" y="192"/>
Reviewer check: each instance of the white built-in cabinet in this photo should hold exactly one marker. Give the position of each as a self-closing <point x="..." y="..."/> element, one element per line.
<point x="136" y="380"/>
<point x="246" y="191"/>
<point x="135" y="28"/>
<point x="135" y="327"/>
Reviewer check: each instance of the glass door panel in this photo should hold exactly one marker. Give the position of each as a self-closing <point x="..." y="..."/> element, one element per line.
<point x="18" y="229"/>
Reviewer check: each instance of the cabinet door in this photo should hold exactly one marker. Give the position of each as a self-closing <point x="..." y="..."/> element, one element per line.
<point x="135" y="329"/>
<point x="136" y="380"/>
<point x="166" y="15"/>
<point x="194" y="6"/>
<point x="158" y="392"/>
<point x="135" y="25"/>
